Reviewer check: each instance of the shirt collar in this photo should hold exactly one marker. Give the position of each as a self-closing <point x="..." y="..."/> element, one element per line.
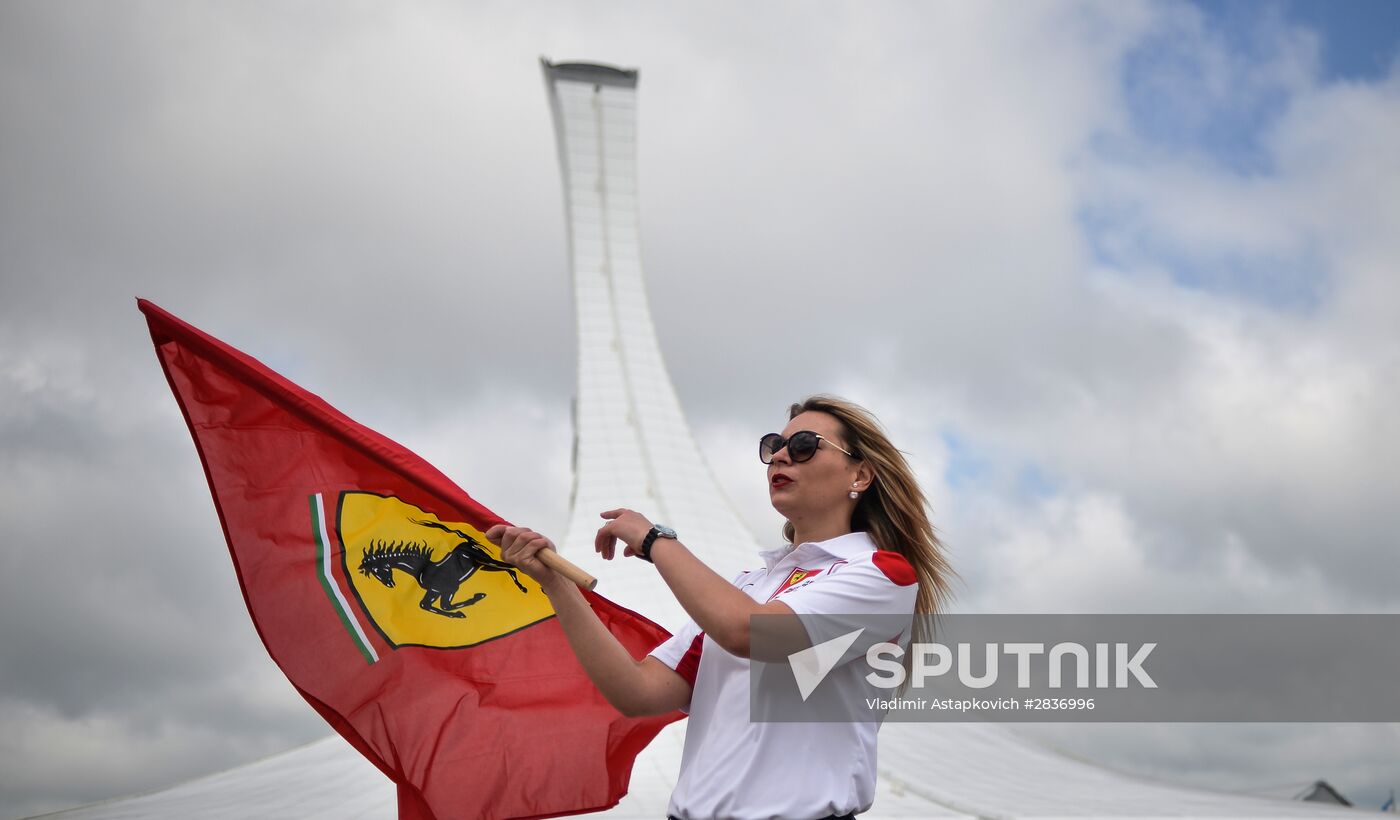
<point x="848" y="546"/>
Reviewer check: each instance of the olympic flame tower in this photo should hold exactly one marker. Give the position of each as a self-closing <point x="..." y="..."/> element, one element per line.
<point x="632" y="446"/>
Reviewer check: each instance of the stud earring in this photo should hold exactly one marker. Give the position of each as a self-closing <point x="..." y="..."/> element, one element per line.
<point x="854" y="494"/>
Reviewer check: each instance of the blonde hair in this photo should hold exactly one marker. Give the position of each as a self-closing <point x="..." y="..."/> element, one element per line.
<point x="893" y="510"/>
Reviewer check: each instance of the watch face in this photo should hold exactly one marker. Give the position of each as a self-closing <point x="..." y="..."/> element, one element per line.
<point x="664" y="531"/>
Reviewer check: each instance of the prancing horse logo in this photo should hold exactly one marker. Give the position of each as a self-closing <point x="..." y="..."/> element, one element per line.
<point x="429" y="581"/>
<point x="439" y="579"/>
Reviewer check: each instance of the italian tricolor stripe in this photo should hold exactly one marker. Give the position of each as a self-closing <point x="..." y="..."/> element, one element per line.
<point x="323" y="567"/>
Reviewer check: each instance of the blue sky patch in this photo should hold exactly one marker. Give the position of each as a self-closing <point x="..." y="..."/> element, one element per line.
<point x="1120" y="239"/>
<point x="1217" y="90"/>
<point x="968" y="467"/>
<point x="965" y="467"/>
<point x="1359" y="39"/>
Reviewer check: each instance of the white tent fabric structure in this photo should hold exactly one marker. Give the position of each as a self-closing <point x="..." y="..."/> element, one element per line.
<point x="963" y="770"/>
<point x="633" y="448"/>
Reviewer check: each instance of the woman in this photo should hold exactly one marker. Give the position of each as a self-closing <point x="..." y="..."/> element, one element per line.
<point x="860" y="541"/>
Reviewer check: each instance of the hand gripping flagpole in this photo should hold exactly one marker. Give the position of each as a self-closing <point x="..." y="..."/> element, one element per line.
<point x="566" y="568"/>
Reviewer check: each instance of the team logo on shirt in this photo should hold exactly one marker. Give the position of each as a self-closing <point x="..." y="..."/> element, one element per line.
<point x="797" y="576"/>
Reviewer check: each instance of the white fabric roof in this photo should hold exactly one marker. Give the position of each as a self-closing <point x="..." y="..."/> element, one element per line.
<point x="927" y="770"/>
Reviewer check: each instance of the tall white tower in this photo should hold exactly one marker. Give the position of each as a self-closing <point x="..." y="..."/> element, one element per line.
<point x="632" y="446"/>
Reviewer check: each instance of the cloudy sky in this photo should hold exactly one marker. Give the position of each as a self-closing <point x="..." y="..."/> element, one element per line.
<point x="1119" y="276"/>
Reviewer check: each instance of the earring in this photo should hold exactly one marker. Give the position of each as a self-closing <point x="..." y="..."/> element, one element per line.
<point x="854" y="494"/>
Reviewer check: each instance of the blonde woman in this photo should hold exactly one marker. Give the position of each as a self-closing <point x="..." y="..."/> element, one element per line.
<point x="859" y="540"/>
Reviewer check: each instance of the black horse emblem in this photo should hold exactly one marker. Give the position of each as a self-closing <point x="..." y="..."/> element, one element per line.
<point x="440" y="579"/>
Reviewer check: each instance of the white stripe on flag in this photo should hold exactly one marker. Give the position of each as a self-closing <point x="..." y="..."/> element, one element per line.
<point x="346" y="611"/>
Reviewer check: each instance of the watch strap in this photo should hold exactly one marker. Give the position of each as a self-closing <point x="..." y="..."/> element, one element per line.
<point x="656" y="532"/>
<point x="645" y="552"/>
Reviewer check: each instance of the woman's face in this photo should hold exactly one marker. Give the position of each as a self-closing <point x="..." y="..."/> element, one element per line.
<point x="819" y="484"/>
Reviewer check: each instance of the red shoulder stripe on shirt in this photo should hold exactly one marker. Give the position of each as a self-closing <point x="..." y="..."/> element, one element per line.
<point x="895" y="566"/>
<point x="690" y="661"/>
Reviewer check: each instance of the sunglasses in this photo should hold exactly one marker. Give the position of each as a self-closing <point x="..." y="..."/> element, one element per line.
<point x="801" y="447"/>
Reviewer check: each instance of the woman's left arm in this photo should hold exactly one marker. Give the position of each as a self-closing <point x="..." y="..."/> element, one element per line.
<point x="719" y="608"/>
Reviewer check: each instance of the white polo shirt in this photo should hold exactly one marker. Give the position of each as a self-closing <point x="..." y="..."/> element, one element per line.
<point x="736" y="769"/>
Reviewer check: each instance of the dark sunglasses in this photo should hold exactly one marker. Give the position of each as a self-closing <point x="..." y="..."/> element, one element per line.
<point x="801" y="447"/>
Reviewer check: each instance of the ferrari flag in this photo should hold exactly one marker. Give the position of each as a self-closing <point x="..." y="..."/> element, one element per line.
<point x="370" y="582"/>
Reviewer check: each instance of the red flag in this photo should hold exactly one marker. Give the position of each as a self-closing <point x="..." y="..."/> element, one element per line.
<point x="371" y="585"/>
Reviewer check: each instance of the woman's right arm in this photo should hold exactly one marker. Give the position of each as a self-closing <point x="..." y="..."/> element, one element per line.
<point x="635" y="688"/>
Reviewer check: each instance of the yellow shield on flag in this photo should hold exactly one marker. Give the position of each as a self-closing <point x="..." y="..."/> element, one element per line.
<point x="426" y="582"/>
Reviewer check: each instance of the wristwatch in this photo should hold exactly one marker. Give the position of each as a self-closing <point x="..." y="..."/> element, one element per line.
<point x="657" y="531"/>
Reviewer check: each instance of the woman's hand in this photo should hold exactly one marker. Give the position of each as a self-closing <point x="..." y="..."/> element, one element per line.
<point x="629" y="527"/>
<point x="520" y="546"/>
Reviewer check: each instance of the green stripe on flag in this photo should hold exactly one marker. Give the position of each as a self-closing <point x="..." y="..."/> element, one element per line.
<point x="328" y="584"/>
